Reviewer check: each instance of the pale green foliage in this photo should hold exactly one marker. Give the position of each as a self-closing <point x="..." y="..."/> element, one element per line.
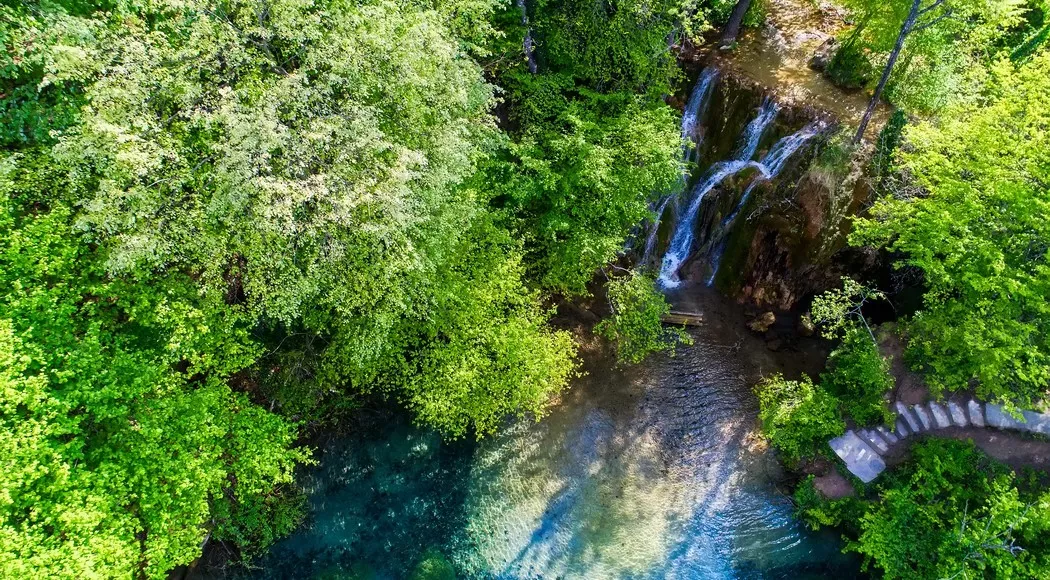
<point x="839" y="308"/>
<point x="486" y="352"/>
<point x="797" y="417"/>
<point x="981" y="238"/>
<point x="326" y="162"/>
<point x="312" y="156"/>
<point x="635" y="324"/>
<point x="941" y="64"/>
<point x="112" y="458"/>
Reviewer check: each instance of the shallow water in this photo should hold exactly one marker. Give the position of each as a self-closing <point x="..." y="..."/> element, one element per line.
<point x="653" y="472"/>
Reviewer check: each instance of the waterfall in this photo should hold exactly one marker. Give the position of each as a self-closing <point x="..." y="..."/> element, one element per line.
<point x="771" y="165"/>
<point x="682" y="239"/>
<point x="650" y="242"/>
<point x="694" y="109"/>
<point x="753" y="133"/>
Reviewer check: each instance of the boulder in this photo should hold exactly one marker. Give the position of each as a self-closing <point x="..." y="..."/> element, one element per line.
<point x="762" y="323"/>
<point x="806" y="326"/>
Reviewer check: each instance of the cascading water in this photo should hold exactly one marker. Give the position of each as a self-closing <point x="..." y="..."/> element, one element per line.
<point x="650" y="242"/>
<point x="694" y="109"/>
<point x="682" y="239"/>
<point x="771" y="165"/>
<point x="753" y="133"/>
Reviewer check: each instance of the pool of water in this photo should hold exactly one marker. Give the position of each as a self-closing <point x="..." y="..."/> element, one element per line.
<point x="648" y="472"/>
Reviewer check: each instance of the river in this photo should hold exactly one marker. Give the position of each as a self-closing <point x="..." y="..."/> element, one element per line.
<point x="649" y="472"/>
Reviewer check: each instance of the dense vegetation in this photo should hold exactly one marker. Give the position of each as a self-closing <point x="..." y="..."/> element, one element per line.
<point x="225" y="221"/>
<point x="962" y="200"/>
<point x="949" y="512"/>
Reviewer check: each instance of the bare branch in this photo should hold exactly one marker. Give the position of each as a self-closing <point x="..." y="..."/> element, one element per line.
<point x="931" y="7"/>
<point x="947" y="14"/>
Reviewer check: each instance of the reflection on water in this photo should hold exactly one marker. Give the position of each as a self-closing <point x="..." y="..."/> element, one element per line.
<point x="652" y="472"/>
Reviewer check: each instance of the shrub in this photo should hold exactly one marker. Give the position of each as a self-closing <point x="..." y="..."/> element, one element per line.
<point x="860" y="377"/>
<point x="816" y="510"/>
<point x="797" y="416"/>
<point x="635" y="323"/>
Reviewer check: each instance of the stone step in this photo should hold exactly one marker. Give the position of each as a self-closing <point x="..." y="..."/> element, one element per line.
<point x="957" y="414"/>
<point x="924" y="417"/>
<point x="875" y="440"/>
<point x="939" y="414"/>
<point x="1037" y="422"/>
<point x="997" y="417"/>
<point x="889" y="437"/>
<point x="902" y="430"/>
<point x="976" y="413"/>
<point x="859" y="457"/>
<point x="908" y="416"/>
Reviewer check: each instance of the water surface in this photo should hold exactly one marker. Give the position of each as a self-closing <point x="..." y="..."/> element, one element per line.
<point x="650" y="472"/>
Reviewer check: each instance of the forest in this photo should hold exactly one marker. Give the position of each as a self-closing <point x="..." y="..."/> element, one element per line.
<point x="228" y="226"/>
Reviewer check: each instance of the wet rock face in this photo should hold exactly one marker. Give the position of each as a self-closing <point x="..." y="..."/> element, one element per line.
<point x="772" y="230"/>
<point x="795" y="244"/>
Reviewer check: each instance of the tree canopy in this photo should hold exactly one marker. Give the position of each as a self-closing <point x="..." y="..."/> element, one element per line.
<point x="226" y="221"/>
<point x="978" y="231"/>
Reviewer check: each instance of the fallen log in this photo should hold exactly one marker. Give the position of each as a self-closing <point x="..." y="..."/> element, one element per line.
<point x="680" y="317"/>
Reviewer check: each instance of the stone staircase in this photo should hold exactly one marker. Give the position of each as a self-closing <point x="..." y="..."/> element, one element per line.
<point x="863" y="449"/>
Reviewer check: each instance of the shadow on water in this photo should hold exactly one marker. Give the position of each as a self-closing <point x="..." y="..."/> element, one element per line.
<point x="379" y="500"/>
<point x="649" y="472"/>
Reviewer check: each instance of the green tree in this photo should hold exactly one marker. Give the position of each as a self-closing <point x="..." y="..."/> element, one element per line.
<point x="859" y="376"/>
<point x="953" y="513"/>
<point x="635" y="324"/>
<point x="797" y="417"/>
<point x="121" y="439"/>
<point x="979" y="234"/>
<point x="309" y="162"/>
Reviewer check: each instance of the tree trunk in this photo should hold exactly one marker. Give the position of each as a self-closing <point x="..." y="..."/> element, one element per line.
<point x="527" y="44"/>
<point x="736" y="19"/>
<point x="906" y="28"/>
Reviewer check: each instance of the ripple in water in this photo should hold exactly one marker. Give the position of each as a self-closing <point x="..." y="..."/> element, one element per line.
<point x="649" y="473"/>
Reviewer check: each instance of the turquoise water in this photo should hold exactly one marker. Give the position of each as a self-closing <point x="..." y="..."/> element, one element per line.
<point x="653" y="472"/>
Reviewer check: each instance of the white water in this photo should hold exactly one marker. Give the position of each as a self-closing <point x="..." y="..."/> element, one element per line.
<point x="753" y="133"/>
<point x="694" y="109"/>
<point x="772" y="164"/>
<point x="682" y="239"/>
